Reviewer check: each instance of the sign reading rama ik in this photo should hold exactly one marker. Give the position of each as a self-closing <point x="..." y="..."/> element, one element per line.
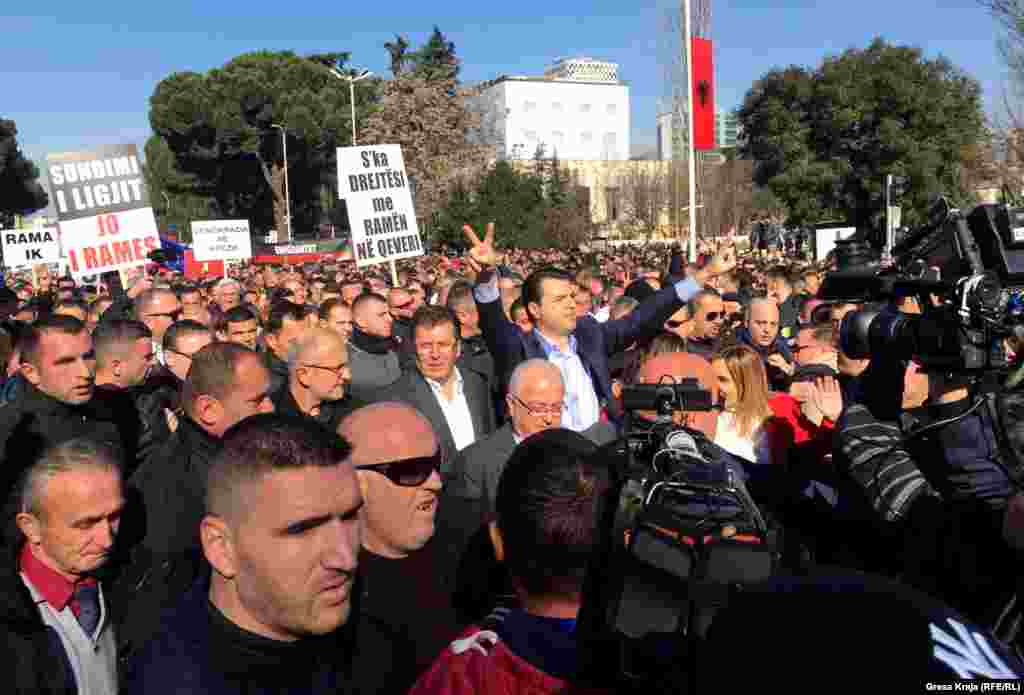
<point x="221" y="240"/>
<point x="106" y="222"/>
<point x="373" y="183"/>
<point x="24" y="248"/>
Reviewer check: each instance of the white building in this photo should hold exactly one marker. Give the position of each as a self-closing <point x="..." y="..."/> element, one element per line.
<point x="579" y="109"/>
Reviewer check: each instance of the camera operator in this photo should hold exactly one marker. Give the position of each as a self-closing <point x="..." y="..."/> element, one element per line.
<point x="922" y="465"/>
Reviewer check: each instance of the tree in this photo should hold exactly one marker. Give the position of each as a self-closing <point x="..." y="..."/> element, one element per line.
<point x="20" y="191"/>
<point x="399" y="50"/>
<point x="172" y="192"/>
<point x="218" y="125"/>
<point x="822" y="140"/>
<point x="645" y="198"/>
<point x="435" y="61"/>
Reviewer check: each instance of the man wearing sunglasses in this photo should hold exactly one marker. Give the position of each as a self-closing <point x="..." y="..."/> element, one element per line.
<point x="406" y="570"/>
<point x="707" y="312"/>
<point x="158" y="309"/>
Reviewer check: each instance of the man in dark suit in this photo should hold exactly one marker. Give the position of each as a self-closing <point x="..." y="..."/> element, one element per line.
<point x="579" y="347"/>
<point x="455" y="400"/>
<point x="535" y="402"/>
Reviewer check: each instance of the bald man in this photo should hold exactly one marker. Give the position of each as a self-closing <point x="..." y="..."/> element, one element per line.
<point x="535" y="402"/>
<point x="407" y="573"/>
<point x="762" y="332"/>
<point x="318" y="374"/>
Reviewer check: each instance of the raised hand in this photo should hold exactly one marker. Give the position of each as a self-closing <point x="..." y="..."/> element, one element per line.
<point x="482" y="252"/>
<point x="827" y="397"/>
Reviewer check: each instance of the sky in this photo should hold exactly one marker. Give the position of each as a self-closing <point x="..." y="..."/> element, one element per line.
<point x="79" y="74"/>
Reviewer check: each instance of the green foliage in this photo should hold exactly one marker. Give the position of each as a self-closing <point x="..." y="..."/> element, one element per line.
<point x="525" y="207"/>
<point x="235" y="160"/>
<point x="823" y="140"/>
<point x="20" y="191"/>
<point x="435" y="60"/>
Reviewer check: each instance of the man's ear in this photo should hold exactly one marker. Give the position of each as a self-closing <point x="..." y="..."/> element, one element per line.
<point x="29" y="525"/>
<point x="496" y="540"/>
<point x="116" y="367"/>
<point x="30" y="373"/>
<point x="218" y="546"/>
<point x="209" y="410"/>
<point x="302" y="376"/>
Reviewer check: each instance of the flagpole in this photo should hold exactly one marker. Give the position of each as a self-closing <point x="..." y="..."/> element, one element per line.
<point x="691" y="164"/>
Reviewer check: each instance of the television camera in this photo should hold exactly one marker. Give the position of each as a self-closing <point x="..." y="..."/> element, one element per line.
<point x="679" y="531"/>
<point x="962" y="267"/>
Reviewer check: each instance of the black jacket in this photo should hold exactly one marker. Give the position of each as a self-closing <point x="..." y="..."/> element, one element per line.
<point x="278" y="370"/>
<point x="35" y="658"/>
<point x="34" y="421"/>
<point x="331" y="412"/>
<point x="196" y="652"/>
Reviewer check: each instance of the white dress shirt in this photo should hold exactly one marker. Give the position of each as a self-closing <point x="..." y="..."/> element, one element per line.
<point x="456" y="411"/>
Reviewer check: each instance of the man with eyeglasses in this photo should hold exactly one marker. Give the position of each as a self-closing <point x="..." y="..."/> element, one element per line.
<point x="707" y="313"/>
<point x="158" y="309"/>
<point x="241" y="326"/>
<point x="318" y="373"/>
<point x="406" y="567"/>
<point x="535" y="402"/>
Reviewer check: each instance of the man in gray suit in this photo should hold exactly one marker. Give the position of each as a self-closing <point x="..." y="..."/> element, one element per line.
<point x="535" y="402"/>
<point x="456" y="401"/>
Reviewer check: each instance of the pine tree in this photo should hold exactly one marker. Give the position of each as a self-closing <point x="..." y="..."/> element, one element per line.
<point x="436" y="59"/>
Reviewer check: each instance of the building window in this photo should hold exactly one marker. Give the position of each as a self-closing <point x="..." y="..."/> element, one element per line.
<point x="584" y="108"/>
<point x="611" y="109"/>
<point x="611" y="204"/>
<point x="529" y="106"/>
<point x="556" y="106"/>
<point x="558" y="138"/>
<point x="586" y="137"/>
<point x="530" y="135"/>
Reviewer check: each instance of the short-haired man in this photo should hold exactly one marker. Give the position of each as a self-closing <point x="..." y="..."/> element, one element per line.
<point x="407" y="573"/>
<point x="336" y="315"/>
<point x="535" y="402"/>
<point x="475" y="354"/>
<point x="227" y="294"/>
<point x="372" y="350"/>
<point x="547" y="527"/>
<point x="761" y="332"/>
<point x="318" y="374"/>
<point x="779" y="285"/>
<point x="580" y="348"/>
<point x="56" y="624"/>
<point x="72" y="307"/>
<point x="241" y="326"/>
<point x="455" y="399"/>
<point x="286" y="322"/>
<point x="816" y="345"/>
<point x="350" y="289"/>
<point x="707" y="314"/>
<point x="181" y="342"/>
<point x="296" y="289"/>
<point x="57" y="400"/>
<point x="281" y="532"/>
<point x="191" y="302"/>
<point x="124" y="353"/>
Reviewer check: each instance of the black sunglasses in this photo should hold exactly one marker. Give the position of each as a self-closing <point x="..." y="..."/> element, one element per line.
<point x="674" y="324"/>
<point x="408" y="472"/>
<point x="714" y="315"/>
<point x="172" y="315"/>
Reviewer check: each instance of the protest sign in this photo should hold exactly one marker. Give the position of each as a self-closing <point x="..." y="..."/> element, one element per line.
<point x="24" y="248"/>
<point x="106" y="222"/>
<point x="373" y="182"/>
<point x="221" y="240"/>
<point x="825" y="239"/>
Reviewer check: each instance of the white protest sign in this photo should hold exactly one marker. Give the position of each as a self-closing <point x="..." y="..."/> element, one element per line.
<point x="825" y="240"/>
<point x="373" y="183"/>
<point x="221" y="240"/>
<point x="106" y="222"/>
<point x="24" y="248"/>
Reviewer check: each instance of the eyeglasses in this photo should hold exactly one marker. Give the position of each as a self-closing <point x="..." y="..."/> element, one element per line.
<point x="337" y="371"/>
<point x="714" y="316"/>
<point x="539" y="410"/>
<point x="408" y="472"/>
<point x="674" y="324"/>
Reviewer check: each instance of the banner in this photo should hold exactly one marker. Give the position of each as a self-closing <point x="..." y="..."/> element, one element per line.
<point x="24" y="248"/>
<point x="221" y="240"/>
<point x="196" y="270"/>
<point x="102" y="204"/>
<point x="703" y="95"/>
<point x="373" y="183"/>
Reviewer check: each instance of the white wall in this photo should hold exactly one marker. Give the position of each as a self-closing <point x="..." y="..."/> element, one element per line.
<point x="578" y="120"/>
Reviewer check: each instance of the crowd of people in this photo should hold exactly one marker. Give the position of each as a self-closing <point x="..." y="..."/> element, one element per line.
<point x="324" y="479"/>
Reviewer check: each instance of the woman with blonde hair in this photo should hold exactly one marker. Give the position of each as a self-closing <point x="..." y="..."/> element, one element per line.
<point x="747" y="426"/>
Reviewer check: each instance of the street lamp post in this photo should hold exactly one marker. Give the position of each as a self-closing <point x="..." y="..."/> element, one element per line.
<point x="287" y="197"/>
<point x="352" y="78"/>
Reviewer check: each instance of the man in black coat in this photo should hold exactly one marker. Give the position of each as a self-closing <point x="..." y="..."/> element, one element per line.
<point x="58" y="399"/>
<point x="455" y="400"/>
<point x="253" y="623"/>
<point x="226" y="384"/>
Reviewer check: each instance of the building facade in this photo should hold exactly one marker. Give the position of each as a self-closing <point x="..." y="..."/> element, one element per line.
<point x="578" y="109"/>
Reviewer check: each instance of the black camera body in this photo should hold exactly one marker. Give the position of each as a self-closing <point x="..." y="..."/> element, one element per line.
<point x="680" y="532"/>
<point x="959" y="266"/>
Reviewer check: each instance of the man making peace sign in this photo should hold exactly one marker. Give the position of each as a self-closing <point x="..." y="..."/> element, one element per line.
<point x="579" y="347"/>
